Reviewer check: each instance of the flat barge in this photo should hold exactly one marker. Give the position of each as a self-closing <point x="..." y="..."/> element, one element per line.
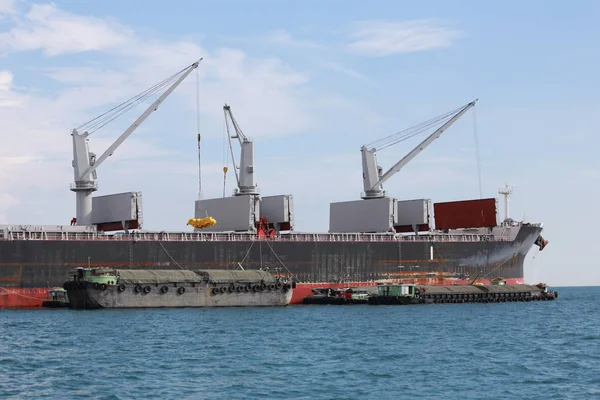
<point x="497" y="292"/>
<point x="93" y="288"/>
<point x="409" y="293"/>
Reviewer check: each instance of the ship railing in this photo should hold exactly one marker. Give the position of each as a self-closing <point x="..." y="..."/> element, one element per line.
<point x="236" y="237"/>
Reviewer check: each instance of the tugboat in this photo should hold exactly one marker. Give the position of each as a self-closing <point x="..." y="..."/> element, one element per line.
<point x="58" y="298"/>
<point x="92" y="288"/>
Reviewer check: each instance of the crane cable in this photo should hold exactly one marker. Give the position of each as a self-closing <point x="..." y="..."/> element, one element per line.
<point x="235" y="167"/>
<point x="103" y="119"/>
<point x="225" y="159"/>
<point x="477" y="152"/>
<point x="198" y="130"/>
<point x="415" y="130"/>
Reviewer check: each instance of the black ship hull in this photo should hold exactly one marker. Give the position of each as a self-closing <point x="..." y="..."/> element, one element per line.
<point x="43" y="263"/>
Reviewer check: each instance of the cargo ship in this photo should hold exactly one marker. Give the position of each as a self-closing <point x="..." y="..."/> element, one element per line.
<point x="375" y="239"/>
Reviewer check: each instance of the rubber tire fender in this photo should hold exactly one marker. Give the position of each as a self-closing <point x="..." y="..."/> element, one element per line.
<point x="181" y="290"/>
<point x="138" y="288"/>
<point x="147" y="289"/>
<point x="164" y="289"/>
<point x="121" y="288"/>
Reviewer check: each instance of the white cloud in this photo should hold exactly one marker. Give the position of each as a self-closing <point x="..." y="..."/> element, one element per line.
<point x="383" y="38"/>
<point x="7" y="98"/>
<point x="10" y="174"/>
<point x="590" y="173"/>
<point x="283" y="37"/>
<point x="6" y="202"/>
<point x="264" y="95"/>
<point x="6" y="79"/>
<point x="337" y="67"/>
<point x="57" y="32"/>
<point x="6" y="7"/>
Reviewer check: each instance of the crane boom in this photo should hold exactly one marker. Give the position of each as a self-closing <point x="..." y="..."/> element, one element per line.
<point x="238" y="131"/>
<point x="373" y="179"/>
<point x="85" y="163"/>
<point x="153" y="107"/>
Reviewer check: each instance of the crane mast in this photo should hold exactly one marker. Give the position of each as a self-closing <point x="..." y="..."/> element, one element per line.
<point x="85" y="163"/>
<point x="372" y="173"/>
<point x="244" y="173"/>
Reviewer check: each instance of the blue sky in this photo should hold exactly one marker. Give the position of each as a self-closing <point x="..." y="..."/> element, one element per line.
<point x="311" y="82"/>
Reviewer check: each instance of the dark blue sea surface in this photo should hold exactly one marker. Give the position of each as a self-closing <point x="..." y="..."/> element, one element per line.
<point x="548" y="350"/>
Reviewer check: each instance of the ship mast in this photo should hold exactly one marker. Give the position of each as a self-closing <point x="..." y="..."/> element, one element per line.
<point x="506" y="191"/>
<point x="85" y="162"/>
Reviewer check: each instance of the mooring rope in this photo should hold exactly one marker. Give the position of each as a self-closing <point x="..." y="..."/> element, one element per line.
<point x="22" y="295"/>
<point x="281" y="262"/>
<point x="169" y="255"/>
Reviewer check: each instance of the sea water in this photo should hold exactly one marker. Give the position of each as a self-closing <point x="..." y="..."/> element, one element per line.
<point x="547" y="350"/>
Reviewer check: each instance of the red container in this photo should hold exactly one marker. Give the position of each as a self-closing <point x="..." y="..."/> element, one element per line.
<point x="465" y="214"/>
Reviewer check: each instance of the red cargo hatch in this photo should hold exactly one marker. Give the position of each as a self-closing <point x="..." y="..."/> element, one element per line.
<point x="465" y="214"/>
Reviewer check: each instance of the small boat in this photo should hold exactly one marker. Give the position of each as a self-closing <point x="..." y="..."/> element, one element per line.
<point x="351" y="295"/>
<point x="58" y="298"/>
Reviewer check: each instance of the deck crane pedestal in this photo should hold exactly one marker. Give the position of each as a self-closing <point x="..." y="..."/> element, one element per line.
<point x="85" y="162"/>
<point x="376" y="212"/>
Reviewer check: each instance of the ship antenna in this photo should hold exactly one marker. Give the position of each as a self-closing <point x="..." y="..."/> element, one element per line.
<point x="506" y="191"/>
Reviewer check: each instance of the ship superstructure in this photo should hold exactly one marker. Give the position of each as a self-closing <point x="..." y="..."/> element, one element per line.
<point x="374" y="239"/>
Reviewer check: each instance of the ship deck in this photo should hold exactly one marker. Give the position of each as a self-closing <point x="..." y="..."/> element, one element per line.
<point x="498" y="234"/>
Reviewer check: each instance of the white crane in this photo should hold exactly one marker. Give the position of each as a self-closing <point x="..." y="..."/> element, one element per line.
<point x="372" y="173"/>
<point x="85" y="162"/>
<point x="245" y="177"/>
